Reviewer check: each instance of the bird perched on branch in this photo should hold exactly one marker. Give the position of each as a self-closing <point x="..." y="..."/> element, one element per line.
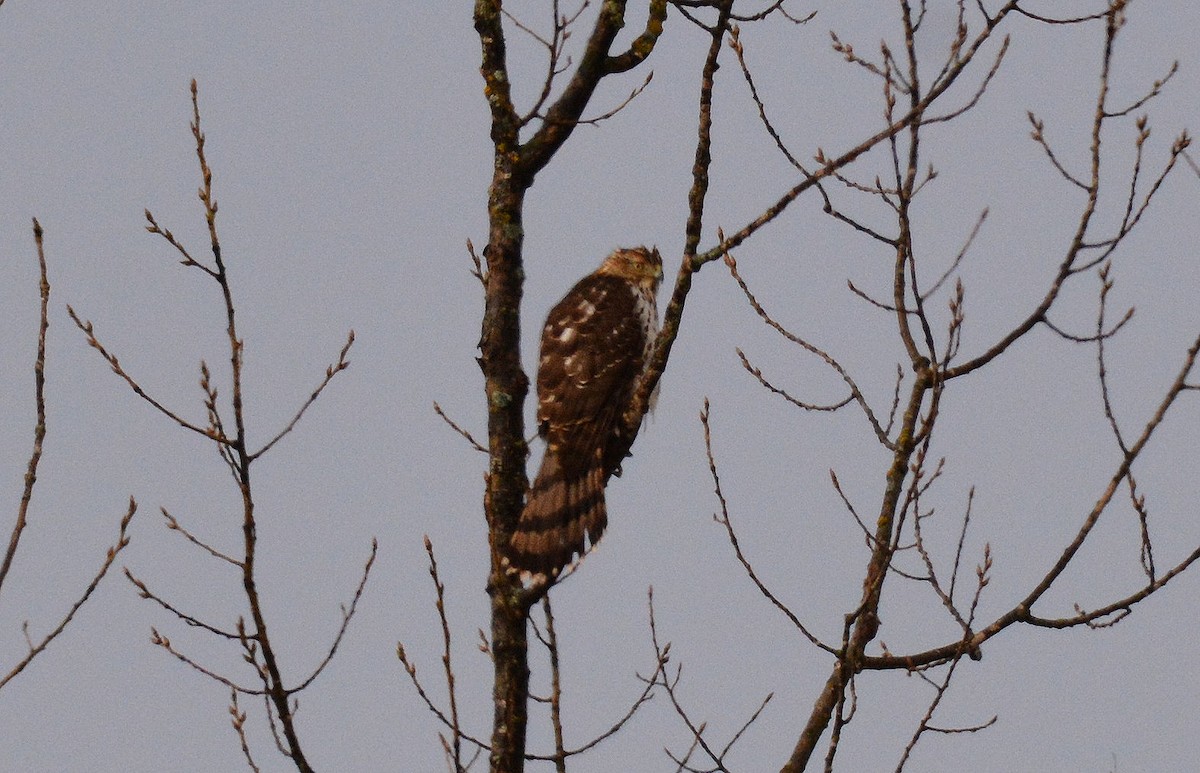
<point x="595" y="346"/>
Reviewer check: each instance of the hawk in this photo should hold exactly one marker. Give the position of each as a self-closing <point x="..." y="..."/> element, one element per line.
<point x="595" y="346"/>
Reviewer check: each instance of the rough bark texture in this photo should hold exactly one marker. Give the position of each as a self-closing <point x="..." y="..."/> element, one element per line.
<point x="506" y="384"/>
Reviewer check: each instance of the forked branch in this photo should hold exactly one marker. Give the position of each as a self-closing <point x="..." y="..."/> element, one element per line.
<point x="231" y="440"/>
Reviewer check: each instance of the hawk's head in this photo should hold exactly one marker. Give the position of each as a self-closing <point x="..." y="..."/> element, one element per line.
<point x="642" y="266"/>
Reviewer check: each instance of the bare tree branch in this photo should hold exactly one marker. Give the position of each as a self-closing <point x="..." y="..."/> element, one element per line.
<point x="39" y="395"/>
<point x="347" y="616"/>
<point x="724" y="520"/>
<point x="855" y="393"/>
<point x="40" y="647"/>
<point x="341" y="364"/>
<point x="466" y="435"/>
<point x="39" y="436"/>
<point x="89" y="332"/>
<point x="238" y="719"/>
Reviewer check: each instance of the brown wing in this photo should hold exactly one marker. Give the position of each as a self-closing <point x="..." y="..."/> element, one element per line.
<point x="591" y="356"/>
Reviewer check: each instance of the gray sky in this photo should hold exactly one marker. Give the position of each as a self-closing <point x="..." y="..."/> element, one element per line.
<point x="350" y="148"/>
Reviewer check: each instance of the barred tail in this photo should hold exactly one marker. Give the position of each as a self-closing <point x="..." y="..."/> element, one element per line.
<point x="563" y="517"/>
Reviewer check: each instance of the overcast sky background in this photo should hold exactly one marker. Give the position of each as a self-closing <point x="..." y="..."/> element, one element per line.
<point x="351" y="157"/>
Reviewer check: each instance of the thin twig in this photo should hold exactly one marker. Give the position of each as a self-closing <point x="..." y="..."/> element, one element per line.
<point x="145" y="593"/>
<point x="174" y="525"/>
<point x="1070" y="20"/>
<point x="725" y="521"/>
<point x="855" y="392"/>
<point x="646" y="695"/>
<point x="595" y="120"/>
<point x="775" y="7"/>
<point x="560" y="761"/>
<point x="89" y="332"/>
<point x="868" y="537"/>
<point x="757" y="373"/>
<point x="347" y="616"/>
<point x="238" y="719"/>
<point x="668" y="684"/>
<point x="410" y="668"/>
<point x="158" y="640"/>
<point x="958" y="259"/>
<point x="1106" y="285"/>
<point x="962" y="538"/>
<point x="476" y="272"/>
<point x="873" y="301"/>
<point x="341" y="364"/>
<point x="39" y="395"/>
<point x="113" y="551"/>
<point x="1155" y="89"/>
<point x="447" y="665"/>
<point x="466" y="435"/>
<point x="983" y="85"/>
<point x="925" y="725"/>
